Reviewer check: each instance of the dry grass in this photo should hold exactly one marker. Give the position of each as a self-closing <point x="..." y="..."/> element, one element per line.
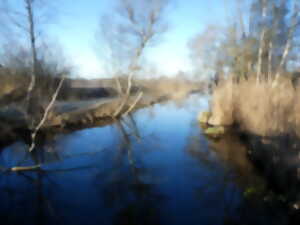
<point x="11" y="81"/>
<point x="260" y="108"/>
<point x="14" y="85"/>
<point x="175" y="88"/>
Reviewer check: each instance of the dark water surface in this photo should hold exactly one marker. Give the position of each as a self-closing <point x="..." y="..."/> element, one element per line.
<point x="154" y="167"/>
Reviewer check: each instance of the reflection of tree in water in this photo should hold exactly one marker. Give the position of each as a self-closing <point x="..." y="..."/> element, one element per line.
<point x="32" y="203"/>
<point x="218" y="189"/>
<point x="230" y="175"/>
<point x="127" y="188"/>
<point x="40" y="211"/>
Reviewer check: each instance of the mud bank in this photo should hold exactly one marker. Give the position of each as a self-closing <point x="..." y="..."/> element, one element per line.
<point x="276" y="158"/>
<point x="68" y="116"/>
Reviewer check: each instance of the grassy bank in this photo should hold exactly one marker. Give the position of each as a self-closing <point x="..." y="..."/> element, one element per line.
<point x="261" y="108"/>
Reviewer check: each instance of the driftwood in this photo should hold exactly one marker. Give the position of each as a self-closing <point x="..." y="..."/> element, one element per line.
<point x="25" y="168"/>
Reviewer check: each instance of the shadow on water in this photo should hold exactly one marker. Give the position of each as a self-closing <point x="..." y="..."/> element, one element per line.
<point x="278" y="160"/>
<point x="153" y="167"/>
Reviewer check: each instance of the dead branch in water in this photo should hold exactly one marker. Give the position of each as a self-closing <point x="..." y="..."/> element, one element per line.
<point x="25" y="168"/>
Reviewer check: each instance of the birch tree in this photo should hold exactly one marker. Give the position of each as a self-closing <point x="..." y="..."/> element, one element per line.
<point x="136" y="25"/>
<point x="265" y="49"/>
<point x="262" y="41"/>
<point x="28" y="21"/>
<point x="294" y="23"/>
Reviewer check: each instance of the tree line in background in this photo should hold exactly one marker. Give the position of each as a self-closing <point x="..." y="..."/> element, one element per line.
<point x="263" y="41"/>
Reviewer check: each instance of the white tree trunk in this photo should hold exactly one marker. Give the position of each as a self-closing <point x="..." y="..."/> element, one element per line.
<point x="45" y="116"/>
<point x="288" y="44"/>
<point x="261" y="42"/>
<point x="260" y="53"/>
<point x="270" y="60"/>
<point x="31" y="31"/>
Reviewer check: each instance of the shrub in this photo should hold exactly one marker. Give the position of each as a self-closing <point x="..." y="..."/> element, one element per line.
<point x="260" y="108"/>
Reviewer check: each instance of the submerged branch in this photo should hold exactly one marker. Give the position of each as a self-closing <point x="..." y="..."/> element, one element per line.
<point x="25" y="168"/>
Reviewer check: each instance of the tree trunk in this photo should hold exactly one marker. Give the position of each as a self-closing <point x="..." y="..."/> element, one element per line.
<point x="261" y="42"/>
<point x="288" y="44"/>
<point x="32" y="36"/>
<point x="270" y="60"/>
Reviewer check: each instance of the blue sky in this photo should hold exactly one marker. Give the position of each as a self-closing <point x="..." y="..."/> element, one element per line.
<point x="78" y="21"/>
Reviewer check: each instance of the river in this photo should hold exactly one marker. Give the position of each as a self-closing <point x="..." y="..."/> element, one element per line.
<point x="153" y="167"/>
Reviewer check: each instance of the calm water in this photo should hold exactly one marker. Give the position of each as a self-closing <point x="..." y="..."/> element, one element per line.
<point x="154" y="167"/>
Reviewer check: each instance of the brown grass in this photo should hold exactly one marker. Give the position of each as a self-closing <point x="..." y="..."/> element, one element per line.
<point x="175" y="88"/>
<point x="14" y="84"/>
<point x="260" y="108"/>
<point x="11" y="81"/>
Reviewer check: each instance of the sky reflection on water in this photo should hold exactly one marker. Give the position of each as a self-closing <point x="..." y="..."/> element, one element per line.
<point x="154" y="167"/>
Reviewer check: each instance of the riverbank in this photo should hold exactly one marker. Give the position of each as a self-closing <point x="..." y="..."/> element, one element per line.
<point x="69" y="116"/>
<point x="159" y="155"/>
<point x="264" y="108"/>
<point x="265" y="116"/>
<point x="84" y="103"/>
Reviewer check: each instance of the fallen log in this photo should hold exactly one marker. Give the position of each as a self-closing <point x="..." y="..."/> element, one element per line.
<point x="25" y="168"/>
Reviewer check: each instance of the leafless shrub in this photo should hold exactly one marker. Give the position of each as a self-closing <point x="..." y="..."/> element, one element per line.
<point x="260" y="108"/>
<point x="134" y="27"/>
<point x="28" y="21"/>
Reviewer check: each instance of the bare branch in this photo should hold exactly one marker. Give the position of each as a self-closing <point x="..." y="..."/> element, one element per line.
<point x="140" y="22"/>
<point x="45" y="116"/>
<point x="134" y="103"/>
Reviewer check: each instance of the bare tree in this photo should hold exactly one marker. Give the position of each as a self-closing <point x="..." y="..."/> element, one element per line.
<point x="32" y="34"/>
<point x="28" y="21"/>
<point x="261" y="41"/>
<point x="295" y="22"/>
<point x="268" y="46"/>
<point x="136" y="26"/>
<point x="205" y="52"/>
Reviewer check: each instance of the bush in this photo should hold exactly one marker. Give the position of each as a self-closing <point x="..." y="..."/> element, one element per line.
<point x="261" y="108"/>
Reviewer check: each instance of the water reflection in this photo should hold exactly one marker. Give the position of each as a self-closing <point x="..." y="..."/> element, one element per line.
<point x="233" y="183"/>
<point x="127" y="189"/>
<point x="153" y="167"/>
